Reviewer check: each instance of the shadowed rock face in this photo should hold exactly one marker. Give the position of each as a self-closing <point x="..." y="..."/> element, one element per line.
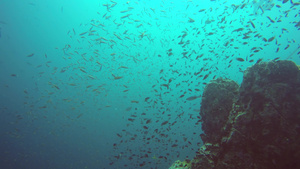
<point x="255" y="126"/>
<point x="217" y="101"/>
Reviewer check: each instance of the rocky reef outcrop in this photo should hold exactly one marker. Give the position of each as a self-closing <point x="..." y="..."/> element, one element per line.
<point x="254" y="126"/>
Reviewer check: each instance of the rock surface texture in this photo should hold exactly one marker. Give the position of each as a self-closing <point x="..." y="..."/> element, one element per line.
<point x="254" y="126"/>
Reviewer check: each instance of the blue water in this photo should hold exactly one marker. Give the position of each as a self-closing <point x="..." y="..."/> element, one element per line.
<point x="104" y="84"/>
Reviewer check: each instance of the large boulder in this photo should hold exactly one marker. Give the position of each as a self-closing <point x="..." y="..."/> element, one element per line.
<point x="257" y="127"/>
<point x="217" y="100"/>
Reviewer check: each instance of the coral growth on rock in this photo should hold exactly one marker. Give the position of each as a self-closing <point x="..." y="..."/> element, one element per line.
<point x="181" y="165"/>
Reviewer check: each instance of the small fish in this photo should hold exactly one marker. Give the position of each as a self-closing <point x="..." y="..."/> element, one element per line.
<point x="271" y="20"/>
<point x="89" y="86"/>
<point x="265" y="40"/>
<point x="130" y="119"/>
<point x="79" y="115"/>
<point x="118" y="36"/>
<point x="205" y="77"/>
<point x="83" y="33"/>
<point x="192" y="98"/>
<point x="191" y="20"/>
<point x="139" y="25"/>
<point x="118" y="77"/>
<point x="246" y="37"/>
<point x="240" y="59"/>
<point x="259" y="60"/>
<point x="82" y="70"/>
<point x="125" y="31"/>
<point x="72" y="84"/>
<point x="56" y="86"/>
<point x="124" y="11"/>
<point x="286" y="47"/>
<point x="30" y="55"/>
<point x="238" y="30"/>
<point x="164" y="123"/>
<point x="125" y="16"/>
<point x="165" y="85"/>
<point x="92" y="77"/>
<point x="43" y="107"/>
<point x="271" y="39"/>
<point x="252" y="24"/>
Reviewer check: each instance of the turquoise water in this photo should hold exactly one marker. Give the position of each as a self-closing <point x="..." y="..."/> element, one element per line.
<point x="118" y="84"/>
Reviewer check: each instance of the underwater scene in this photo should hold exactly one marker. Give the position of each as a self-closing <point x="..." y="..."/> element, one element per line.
<point x="154" y="84"/>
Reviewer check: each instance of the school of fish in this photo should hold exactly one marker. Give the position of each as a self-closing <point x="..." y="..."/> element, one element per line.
<point x="157" y="60"/>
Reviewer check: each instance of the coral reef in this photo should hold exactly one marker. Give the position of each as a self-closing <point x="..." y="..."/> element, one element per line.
<point x="181" y="165"/>
<point x="256" y="125"/>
